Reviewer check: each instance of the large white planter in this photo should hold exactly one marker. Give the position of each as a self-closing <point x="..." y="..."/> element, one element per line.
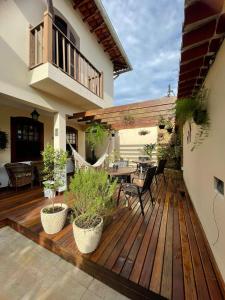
<point x="87" y="240"/>
<point x="53" y="223"/>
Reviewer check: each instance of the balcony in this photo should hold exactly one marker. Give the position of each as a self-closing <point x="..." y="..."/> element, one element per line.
<point x="59" y="68"/>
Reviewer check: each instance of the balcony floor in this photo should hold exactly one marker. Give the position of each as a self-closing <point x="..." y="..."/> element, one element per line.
<point x="163" y="254"/>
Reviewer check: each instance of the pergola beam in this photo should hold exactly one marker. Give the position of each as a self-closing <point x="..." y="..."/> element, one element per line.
<point x="163" y="103"/>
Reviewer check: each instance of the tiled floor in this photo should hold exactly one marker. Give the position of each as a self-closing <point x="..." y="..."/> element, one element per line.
<point x="28" y="271"/>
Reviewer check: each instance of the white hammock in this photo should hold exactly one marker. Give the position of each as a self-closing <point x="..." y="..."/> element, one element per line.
<point x="81" y="162"/>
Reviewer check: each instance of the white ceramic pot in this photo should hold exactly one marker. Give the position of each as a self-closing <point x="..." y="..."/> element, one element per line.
<point x="53" y="223"/>
<point x="87" y="240"/>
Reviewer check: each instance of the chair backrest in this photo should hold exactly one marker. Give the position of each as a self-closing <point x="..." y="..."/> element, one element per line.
<point x="148" y="179"/>
<point x="161" y="166"/>
<point x="122" y="163"/>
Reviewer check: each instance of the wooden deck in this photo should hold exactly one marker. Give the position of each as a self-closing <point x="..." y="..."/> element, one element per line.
<point x="163" y="254"/>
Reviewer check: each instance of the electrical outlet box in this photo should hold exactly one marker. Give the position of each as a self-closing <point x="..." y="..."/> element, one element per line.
<point x="219" y="186"/>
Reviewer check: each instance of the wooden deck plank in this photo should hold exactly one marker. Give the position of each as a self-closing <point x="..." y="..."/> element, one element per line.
<point x="150" y="255"/>
<point x="130" y="260"/>
<point x="201" y="284"/>
<point x="165" y="250"/>
<point x="155" y="282"/>
<point x="212" y="282"/>
<point x="166" y="285"/>
<point x="189" y="280"/>
<point x="124" y="229"/>
<point x="127" y="239"/>
<point x="178" y="275"/>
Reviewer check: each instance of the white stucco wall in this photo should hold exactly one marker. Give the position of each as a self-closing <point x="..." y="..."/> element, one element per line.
<point x="15" y="17"/>
<point x="130" y="143"/>
<point x="208" y="160"/>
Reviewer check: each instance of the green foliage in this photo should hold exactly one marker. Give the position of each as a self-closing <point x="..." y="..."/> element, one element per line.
<point x="185" y="109"/>
<point x="128" y="119"/>
<point x="96" y="134"/>
<point x="143" y="132"/>
<point x="92" y="192"/>
<point x="148" y="149"/>
<point x="161" y="121"/>
<point x="3" y="140"/>
<point x="193" y="108"/>
<point x="168" y="124"/>
<point x="54" y="167"/>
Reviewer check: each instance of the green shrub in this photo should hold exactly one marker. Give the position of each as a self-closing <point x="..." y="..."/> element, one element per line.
<point x="148" y="149"/>
<point x="92" y="192"/>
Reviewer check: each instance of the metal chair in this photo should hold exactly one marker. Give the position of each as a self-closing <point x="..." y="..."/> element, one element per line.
<point x="160" y="170"/>
<point x="132" y="189"/>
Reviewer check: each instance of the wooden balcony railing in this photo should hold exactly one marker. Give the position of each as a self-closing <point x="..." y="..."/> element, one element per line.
<point x="49" y="44"/>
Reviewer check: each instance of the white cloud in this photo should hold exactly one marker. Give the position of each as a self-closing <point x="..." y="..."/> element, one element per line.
<point x="150" y="32"/>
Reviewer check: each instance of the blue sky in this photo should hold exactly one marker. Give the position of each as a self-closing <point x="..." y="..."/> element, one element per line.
<point x="150" y="32"/>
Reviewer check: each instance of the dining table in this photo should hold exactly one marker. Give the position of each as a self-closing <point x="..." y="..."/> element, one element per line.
<point x="123" y="171"/>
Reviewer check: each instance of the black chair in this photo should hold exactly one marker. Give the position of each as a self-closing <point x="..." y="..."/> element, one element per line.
<point x="132" y="189"/>
<point x="160" y="170"/>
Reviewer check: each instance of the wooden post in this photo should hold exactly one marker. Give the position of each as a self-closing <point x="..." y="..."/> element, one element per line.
<point x="47" y="38"/>
<point x="32" y="46"/>
<point x="101" y="85"/>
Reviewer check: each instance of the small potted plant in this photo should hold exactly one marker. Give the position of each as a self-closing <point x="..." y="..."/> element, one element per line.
<point x="161" y="122"/>
<point x="148" y="149"/>
<point x="92" y="194"/>
<point x="169" y="126"/>
<point x="53" y="216"/>
<point x="143" y="132"/>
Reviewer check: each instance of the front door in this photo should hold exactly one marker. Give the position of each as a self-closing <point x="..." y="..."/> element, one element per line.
<point x="27" y="139"/>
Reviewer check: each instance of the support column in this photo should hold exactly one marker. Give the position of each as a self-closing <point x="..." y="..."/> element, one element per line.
<point x="60" y="141"/>
<point x="60" y="131"/>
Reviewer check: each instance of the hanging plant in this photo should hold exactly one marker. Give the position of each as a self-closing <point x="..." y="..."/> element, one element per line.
<point x="96" y="134"/>
<point x="161" y="122"/>
<point x="128" y="119"/>
<point x="195" y="108"/>
<point x="143" y="132"/>
<point x="3" y="140"/>
<point x="185" y="109"/>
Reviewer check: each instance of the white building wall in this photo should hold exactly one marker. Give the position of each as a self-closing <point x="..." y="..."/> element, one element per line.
<point x="208" y="160"/>
<point x="15" y="18"/>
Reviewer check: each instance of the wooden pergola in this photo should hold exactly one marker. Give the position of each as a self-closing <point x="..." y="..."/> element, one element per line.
<point x="203" y="33"/>
<point x="136" y="115"/>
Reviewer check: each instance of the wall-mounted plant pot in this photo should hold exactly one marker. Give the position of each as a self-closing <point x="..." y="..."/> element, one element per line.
<point x="200" y="117"/>
<point x="169" y="130"/>
<point x="161" y="126"/>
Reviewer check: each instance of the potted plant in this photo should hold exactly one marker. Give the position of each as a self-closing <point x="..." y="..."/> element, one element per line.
<point x="53" y="216"/>
<point x="143" y="132"/>
<point x="161" y="122"/>
<point x="128" y="119"/>
<point x="92" y="193"/>
<point x="169" y="126"/>
<point x="3" y="140"/>
<point x="148" y="149"/>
